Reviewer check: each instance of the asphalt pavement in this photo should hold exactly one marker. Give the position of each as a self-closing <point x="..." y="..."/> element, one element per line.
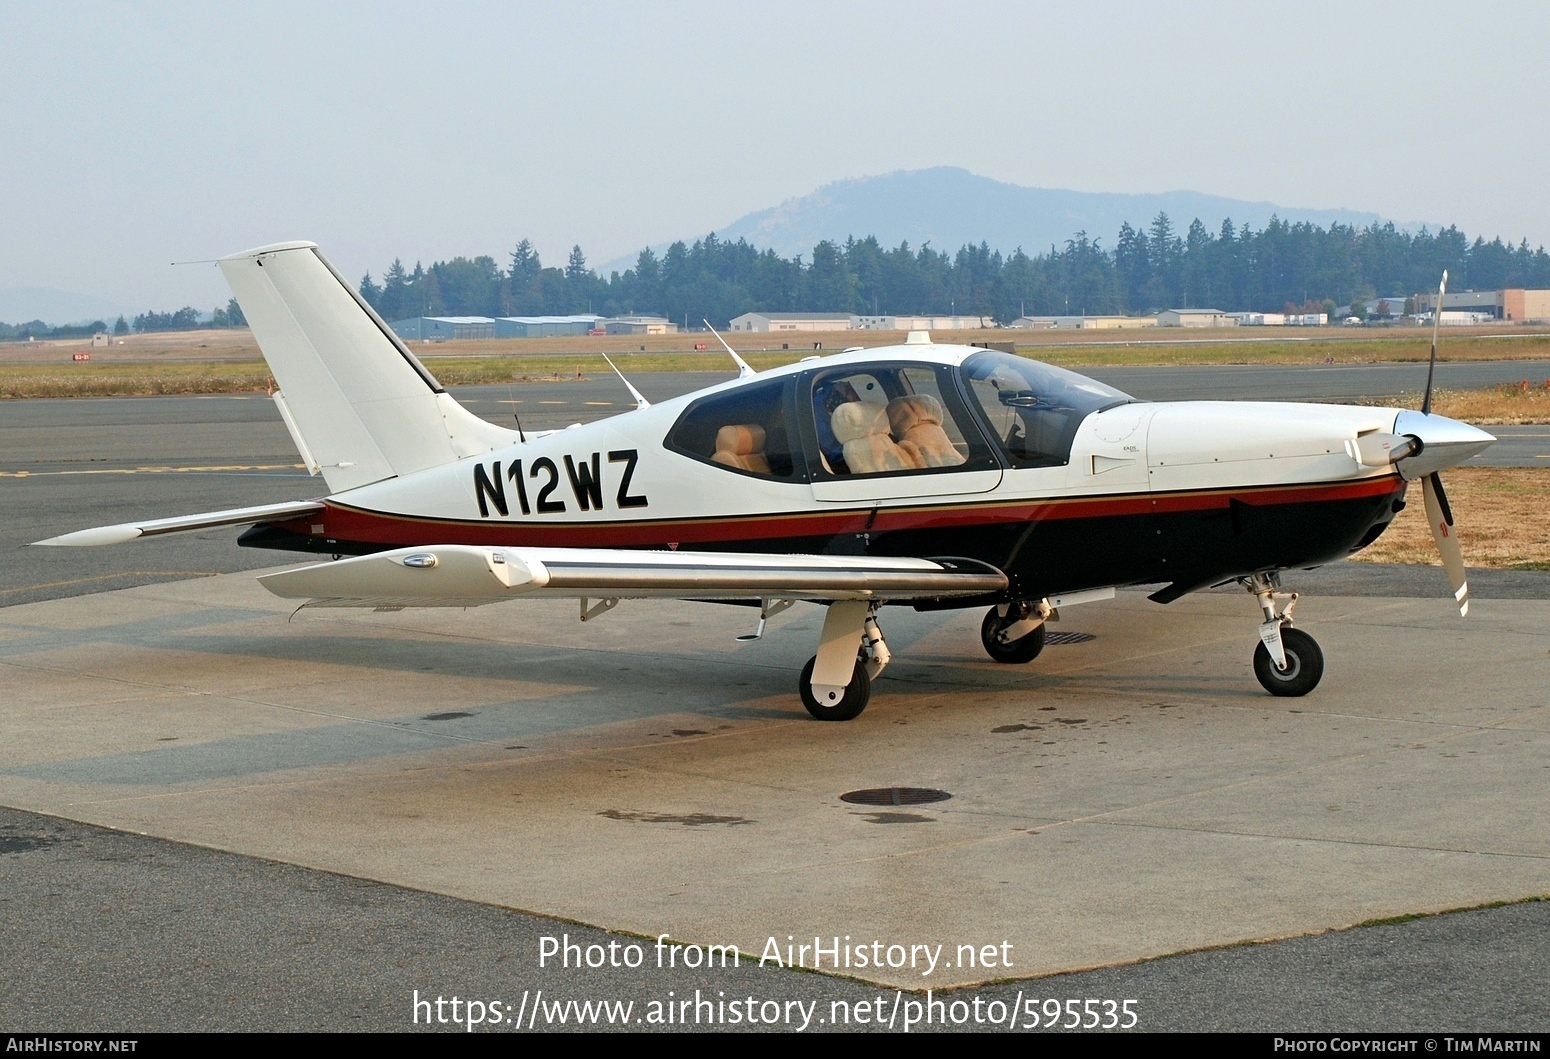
<point x="111" y="932"/>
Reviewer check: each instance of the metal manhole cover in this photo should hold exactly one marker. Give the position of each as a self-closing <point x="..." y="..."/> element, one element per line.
<point x="1056" y="639"/>
<point x="895" y="796"/>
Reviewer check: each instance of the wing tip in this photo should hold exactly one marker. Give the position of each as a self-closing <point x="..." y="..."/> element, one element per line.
<point x="90" y="538"/>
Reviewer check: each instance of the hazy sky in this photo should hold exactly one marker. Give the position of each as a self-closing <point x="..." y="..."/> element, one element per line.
<point x="134" y="135"/>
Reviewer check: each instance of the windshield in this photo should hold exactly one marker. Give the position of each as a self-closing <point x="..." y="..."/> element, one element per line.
<point x="1034" y="409"/>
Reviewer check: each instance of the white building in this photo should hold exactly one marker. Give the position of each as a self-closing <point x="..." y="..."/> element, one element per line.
<point x="792" y="322"/>
<point x="1100" y="323"/>
<point x="920" y="323"/>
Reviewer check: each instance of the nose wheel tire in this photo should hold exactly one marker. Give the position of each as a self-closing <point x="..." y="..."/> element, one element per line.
<point x="848" y="706"/>
<point x="1018" y="651"/>
<point x="1304" y="665"/>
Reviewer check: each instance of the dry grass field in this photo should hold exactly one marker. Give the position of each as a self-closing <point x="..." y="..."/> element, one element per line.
<point x="1501" y="521"/>
<point x="132" y="378"/>
<point x="228" y="361"/>
<point x="1248" y="345"/>
<point x="1500" y="405"/>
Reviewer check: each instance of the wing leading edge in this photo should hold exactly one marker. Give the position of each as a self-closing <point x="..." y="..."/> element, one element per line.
<point x="470" y="576"/>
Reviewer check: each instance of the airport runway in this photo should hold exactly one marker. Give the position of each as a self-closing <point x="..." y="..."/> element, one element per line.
<point x="353" y="805"/>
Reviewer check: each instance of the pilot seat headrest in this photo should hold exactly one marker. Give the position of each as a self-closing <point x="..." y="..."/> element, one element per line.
<point x="855" y="420"/>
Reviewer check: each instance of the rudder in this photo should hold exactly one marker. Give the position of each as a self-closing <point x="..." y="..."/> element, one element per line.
<point x="360" y="405"/>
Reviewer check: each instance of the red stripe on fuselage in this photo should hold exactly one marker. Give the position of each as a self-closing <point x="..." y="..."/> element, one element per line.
<point x="344" y="523"/>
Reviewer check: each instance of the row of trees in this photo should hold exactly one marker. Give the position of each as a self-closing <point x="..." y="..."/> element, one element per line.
<point x="39" y="329"/>
<point x="1282" y="265"/>
<point x="187" y="318"/>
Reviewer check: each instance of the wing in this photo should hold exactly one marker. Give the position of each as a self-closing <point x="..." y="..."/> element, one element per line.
<point x="471" y="576"/>
<point x="237" y="516"/>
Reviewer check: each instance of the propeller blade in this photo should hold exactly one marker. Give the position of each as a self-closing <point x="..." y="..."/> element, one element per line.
<point x="1442" y="289"/>
<point x="1440" y="515"/>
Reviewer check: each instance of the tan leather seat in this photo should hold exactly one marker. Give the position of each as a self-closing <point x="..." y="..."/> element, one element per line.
<point x="741" y="445"/>
<point x="917" y="423"/>
<point x="862" y="429"/>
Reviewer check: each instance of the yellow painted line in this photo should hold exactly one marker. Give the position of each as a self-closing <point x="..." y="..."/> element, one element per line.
<point x="161" y="470"/>
<point x="554" y="402"/>
<point x="600" y="404"/>
<point x="507" y="402"/>
<point x="113" y="577"/>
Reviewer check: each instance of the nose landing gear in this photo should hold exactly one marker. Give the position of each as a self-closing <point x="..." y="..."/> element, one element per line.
<point x="1287" y="662"/>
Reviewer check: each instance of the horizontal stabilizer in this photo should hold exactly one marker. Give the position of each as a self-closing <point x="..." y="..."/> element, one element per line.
<point x="466" y="575"/>
<point x="237" y="516"/>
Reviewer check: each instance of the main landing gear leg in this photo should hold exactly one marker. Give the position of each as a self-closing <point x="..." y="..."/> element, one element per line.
<point x="1014" y="632"/>
<point x="837" y="682"/>
<point x="1287" y="661"/>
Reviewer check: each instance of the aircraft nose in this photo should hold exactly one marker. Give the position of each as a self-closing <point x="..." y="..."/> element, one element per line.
<point x="1444" y="442"/>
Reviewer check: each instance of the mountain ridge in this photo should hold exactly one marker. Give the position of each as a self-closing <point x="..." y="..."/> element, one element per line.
<point x="949" y="207"/>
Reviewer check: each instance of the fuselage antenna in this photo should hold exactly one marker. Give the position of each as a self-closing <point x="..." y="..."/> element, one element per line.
<point x="743" y="370"/>
<point x="640" y="400"/>
<point x="511" y="394"/>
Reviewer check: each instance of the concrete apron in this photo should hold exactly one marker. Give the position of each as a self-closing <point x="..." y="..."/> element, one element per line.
<point x="1117" y="799"/>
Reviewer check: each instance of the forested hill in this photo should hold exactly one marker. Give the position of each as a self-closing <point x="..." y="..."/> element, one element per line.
<point x="949" y="207"/>
<point x="1154" y="267"/>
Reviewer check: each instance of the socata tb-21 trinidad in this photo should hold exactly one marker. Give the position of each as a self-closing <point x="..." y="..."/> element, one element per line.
<point x="928" y="475"/>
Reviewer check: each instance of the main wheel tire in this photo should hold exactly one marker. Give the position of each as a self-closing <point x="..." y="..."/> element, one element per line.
<point x="1018" y="651"/>
<point x="850" y="704"/>
<point x="1304" y="665"/>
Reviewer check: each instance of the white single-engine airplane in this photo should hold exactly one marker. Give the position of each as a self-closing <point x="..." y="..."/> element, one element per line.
<point x="930" y="475"/>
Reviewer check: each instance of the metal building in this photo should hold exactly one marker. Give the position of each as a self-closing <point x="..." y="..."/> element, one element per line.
<point x="545" y="326"/>
<point x="444" y="328"/>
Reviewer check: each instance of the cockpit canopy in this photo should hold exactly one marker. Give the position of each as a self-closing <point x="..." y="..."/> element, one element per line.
<point x="1033" y="409"/>
<point x="901" y="417"/>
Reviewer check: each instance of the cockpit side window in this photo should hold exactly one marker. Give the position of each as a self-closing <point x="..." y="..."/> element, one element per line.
<point x="899" y="419"/>
<point x="742" y="429"/>
<point x="1034" y="409"/>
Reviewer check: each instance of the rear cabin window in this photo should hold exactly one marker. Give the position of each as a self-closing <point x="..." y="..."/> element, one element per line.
<point x="743" y="429"/>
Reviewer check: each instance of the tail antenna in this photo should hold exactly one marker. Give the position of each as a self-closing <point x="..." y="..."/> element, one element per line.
<point x="743" y="370"/>
<point x="640" y="401"/>
<point x="1442" y="288"/>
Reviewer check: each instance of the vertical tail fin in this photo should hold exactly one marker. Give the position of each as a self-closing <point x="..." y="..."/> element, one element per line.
<point x="360" y="405"/>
